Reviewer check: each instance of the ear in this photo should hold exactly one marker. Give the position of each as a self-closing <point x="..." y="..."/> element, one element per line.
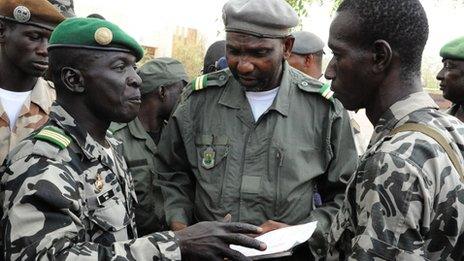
<point x="288" y="45"/>
<point x="308" y="59"/>
<point x="2" y="31"/>
<point x="162" y="93"/>
<point x="382" y="56"/>
<point x="72" y="79"/>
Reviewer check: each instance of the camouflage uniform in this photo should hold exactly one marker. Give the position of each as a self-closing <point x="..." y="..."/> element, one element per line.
<point x="406" y="201"/>
<point x="65" y="7"/>
<point x="33" y="114"/>
<point x="65" y="197"/>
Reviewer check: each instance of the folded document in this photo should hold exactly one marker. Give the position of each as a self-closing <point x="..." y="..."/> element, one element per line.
<point x="280" y="240"/>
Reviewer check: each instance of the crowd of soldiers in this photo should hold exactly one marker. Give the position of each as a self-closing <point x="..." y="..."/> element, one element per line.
<point x="106" y="161"/>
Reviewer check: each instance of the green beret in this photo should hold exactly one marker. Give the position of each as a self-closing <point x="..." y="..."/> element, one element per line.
<point x="161" y="72"/>
<point x="93" y="33"/>
<point x="453" y="49"/>
<point x="270" y="18"/>
<point x="31" y="12"/>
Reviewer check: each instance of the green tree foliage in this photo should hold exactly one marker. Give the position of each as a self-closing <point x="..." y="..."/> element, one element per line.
<point x="190" y="52"/>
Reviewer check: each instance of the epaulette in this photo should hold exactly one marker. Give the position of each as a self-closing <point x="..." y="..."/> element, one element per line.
<point x="326" y="92"/>
<point x="54" y="136"/>
<point x="218" y="78"/>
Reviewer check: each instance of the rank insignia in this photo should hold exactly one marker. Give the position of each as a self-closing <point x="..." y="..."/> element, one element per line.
<point x="208" y="158"/>
<point x="99" y="183"/>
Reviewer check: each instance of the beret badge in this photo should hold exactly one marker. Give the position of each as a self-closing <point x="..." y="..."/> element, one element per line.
<point x="103" y="36"/>
<point x="22" y="14"/>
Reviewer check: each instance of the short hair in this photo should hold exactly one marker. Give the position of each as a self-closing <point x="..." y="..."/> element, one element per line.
<point x="69" y="57"/>
<point x="402" y="23"/>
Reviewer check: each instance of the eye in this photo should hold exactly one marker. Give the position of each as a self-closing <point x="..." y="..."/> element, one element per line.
<point x="233" y="51"/>
<point x="120" y="67"/>
<point x="262" y="52"/>
<point x="34" y="36"/>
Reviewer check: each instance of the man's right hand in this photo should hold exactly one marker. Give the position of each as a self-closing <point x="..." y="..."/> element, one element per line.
<point x="211" y="240"/>
<point x="176" y="226"/>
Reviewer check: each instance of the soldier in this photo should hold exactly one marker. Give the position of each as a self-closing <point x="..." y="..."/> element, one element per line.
<point x="66" y="191"/>
<point x="452" y="76"/>
<point x="215" y="57"/>
<point x="25" y="97"/>
<point x="307" y="54"/>
<point x="258" y="141"/>
<point x="162" y="82"/>
<point x="406" y="200"/>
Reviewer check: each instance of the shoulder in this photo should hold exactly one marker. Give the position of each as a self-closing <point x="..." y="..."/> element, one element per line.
<point x="48" y="141"/>
<point x="116" y="127"/>
<point x="207" y="81"/>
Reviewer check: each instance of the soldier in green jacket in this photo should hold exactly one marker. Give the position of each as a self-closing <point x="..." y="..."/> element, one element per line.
<point x="261" y="141"/>
<point x="162" y="82"/>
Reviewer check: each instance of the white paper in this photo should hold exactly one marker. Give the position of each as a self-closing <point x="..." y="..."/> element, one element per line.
<point x="280" y="240"/>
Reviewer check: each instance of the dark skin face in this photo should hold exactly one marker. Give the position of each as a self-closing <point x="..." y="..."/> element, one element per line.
<point x="105" y="89"/>
<point x="310" y="64"/>
<point x="349" y="67"/>
<point x="169" y="96"/>
<point x="451" y="79"/>
<point x="24" y="47"/>
<point x="255" y="62"/>
<point x="112" y="87"/>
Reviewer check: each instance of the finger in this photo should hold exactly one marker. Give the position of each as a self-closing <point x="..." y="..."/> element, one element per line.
<point x="231" y="254"/>
<point x="243" y="240"/>
<point x="227" y="218"/>
<point x="237" y="227"/>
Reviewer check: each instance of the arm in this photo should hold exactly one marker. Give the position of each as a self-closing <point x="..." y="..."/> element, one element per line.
<point x="174" y="171"/>
<point x="332" y="185"/>
<point x="44" y="218"/>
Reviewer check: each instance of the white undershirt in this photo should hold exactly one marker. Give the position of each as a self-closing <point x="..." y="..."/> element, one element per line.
<point x="261" y="101"/>
<point x="12" y="103"/>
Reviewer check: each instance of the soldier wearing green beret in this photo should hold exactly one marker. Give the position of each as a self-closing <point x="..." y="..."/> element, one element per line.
<point x="451" y="77"/>
<point x="162" y="82"/>
<point x="261" y="140"/>
<point x="66" y="191"/>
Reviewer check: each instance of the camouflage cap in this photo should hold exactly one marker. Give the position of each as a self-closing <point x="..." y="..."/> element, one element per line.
<point x="39" y="13"/>
<point x="453" y="49"/>
<point x="306" y="42"/>
<point x="93" y="33"/>
<point x="269" y="19"/>
<point x="65" y="7"/>
<point x="161" y="72"/>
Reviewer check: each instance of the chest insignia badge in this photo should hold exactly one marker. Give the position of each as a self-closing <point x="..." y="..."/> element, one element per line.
<point x="208" y="158"/>
<point x="99" y="183"/>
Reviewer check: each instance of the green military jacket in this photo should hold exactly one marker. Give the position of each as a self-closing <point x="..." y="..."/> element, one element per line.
<point x="66" y="197"/>
<point x="139" y="149"/>
<point x="215" y="159"/>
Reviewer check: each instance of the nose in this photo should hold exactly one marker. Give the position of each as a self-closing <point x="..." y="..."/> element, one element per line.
<point x="42" y="48"/>
<point x="134" y="80"/>
<point x="330" y="71"/>
<point x="244" y="66"/>
<point x="440" y="75"/>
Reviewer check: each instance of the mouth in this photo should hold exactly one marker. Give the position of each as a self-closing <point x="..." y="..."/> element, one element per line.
<point x="442" y="87"/>
<point x="42" y="66"/>
<point x="135" y="100"/>
<point x="247" y="80"/>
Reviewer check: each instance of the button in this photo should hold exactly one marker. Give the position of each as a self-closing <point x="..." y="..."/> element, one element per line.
<point x="319" y="251"/>
<point x="222" y="77"/>
<point x="304" y="84"/>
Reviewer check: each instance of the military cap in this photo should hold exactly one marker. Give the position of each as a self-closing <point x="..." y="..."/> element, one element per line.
<point x="161" y="72"/>
<point x="39" y="13"/>
<point x="269" y="19"/>
<point x="65" y="7"/>
<point x="453" y="49"/>
<point x="306" y="42"/>
<point x="93" y="33"/>
<point x="212" y="56"/>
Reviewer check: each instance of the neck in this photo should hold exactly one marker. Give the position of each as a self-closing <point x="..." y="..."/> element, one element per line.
<point x="86" y="120"/>
<point x="389" y="92"/>
<point x="13" y="79"/>
<point x="151" y="117"/>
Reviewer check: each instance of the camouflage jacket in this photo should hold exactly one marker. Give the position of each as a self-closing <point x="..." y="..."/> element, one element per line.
<point x="33" y="114"/>
<point x="406" y="200"/>
<point x="65" y="197"/>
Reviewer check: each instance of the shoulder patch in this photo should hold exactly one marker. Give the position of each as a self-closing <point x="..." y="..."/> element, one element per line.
<point x="326" y="92"/>
<point x="54" y="136"/>
<point x="218" y="78"/>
